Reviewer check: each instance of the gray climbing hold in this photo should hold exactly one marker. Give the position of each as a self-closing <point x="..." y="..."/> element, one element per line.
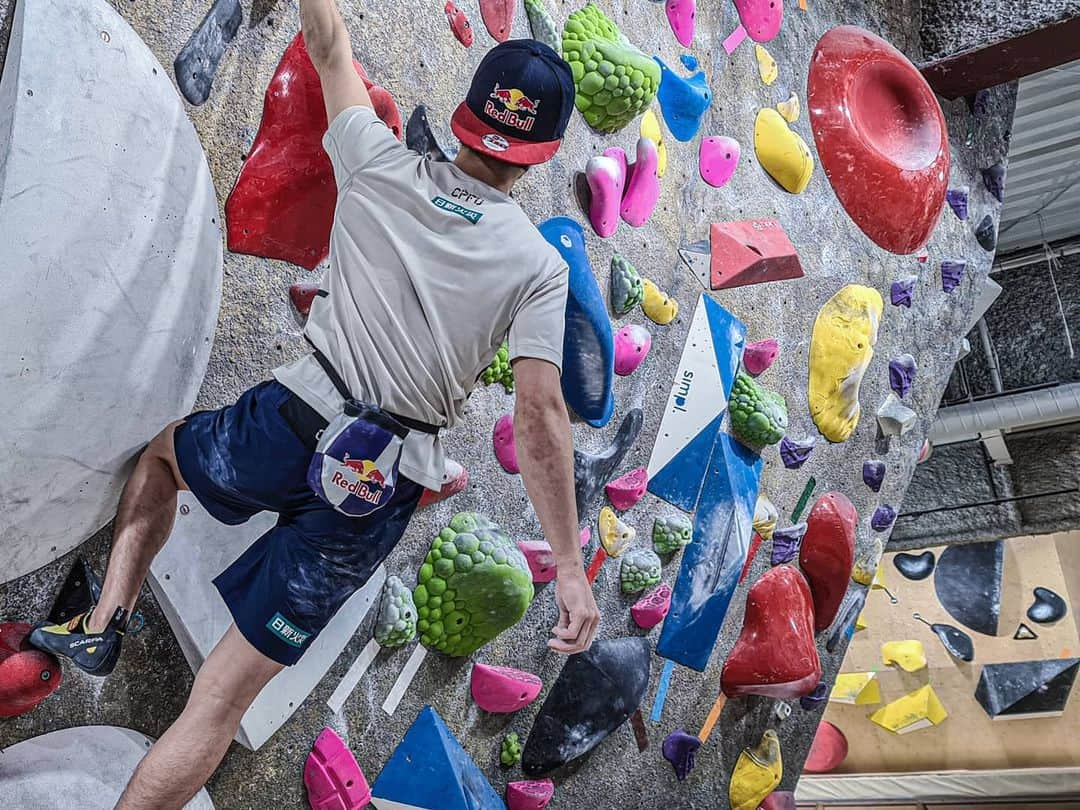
<point x="420" y="139"/>
<point x="902" y="374"/>
<point x="1048" y="607"/>
<point x="952" y="273"/>
<point x="593" y="470"/>
<point x="915" y="566"/>
<point x="986" y="234"/>
<point x="542" y="26"/>
<point x="873" y="473"/>
<point x="197" y="64"/>
<point x="994" y="180"/>
<point x="795" y="452"/>
<point x="671" y="533"/>
<point x="627" y="288"/>
<point x="640" y="569"/>
<point x="894" y="417"/>
<point x="395" y="625"/>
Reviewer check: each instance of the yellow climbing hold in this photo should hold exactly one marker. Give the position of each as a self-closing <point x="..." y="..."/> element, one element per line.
<point x="766" y="65"/>
<point x="650" y="128"/>
<point x="908" y="655"/>
<point x="860" y="622"/>
<point x="615" y="536"/>
<point x="878" y="583"/>
<point x="790" y="109"/>
<point x="765" y="517"/>
<point x="915" y="710"/>
<point x="841" y="346"/>
<point x="858" y="688"/>
<point x="867" y="563"/>
<point x="757" y="773"/>
<point x="781" y="151"/>
<point x="658" y="306"/>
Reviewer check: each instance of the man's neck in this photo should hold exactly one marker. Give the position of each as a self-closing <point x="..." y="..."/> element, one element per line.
<point x="476" y="168"/>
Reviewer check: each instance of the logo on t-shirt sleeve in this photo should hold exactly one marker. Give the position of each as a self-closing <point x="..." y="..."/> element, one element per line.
<point x="454" y="208"/>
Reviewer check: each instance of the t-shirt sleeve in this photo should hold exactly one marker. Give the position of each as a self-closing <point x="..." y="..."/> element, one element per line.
<point x="536" y="330"/>
<point x="358" y="139"/>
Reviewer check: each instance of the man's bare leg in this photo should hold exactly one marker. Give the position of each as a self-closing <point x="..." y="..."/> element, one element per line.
<point x="143" y="522"/>
<point x="179" y="763"/>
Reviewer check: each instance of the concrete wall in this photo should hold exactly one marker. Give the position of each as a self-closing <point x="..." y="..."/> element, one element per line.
<point x="950" y="27"/>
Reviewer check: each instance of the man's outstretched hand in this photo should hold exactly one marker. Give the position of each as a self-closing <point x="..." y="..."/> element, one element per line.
<point x="579" y="617"/>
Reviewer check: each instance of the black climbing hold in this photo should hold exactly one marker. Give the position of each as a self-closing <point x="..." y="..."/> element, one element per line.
<point x="592" y="471"/>
<point x="197" y="63"/>
<point x="915" y="566"/>
<point x="78" y="594"/>
<point x="979" y="103"/>
<point x="1026" y="687"/>
<point x="956" y="642"/>
<point x="595" y="693"/>
<point x="986" y="234"/>
<point x="1023" y="633"/>
<point x="994" y="180"/>
<point x="844" y="624"/>
<point x="967" y="580"/>
<point x="582" y="193"/>
<point x="420" y="139"/>
<point x="1048" y="607"/>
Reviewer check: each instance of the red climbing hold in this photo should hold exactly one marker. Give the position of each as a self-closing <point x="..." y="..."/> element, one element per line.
<point x="828" y="553"/>
<point x="755" y="544"/>
<point x="333" y="777"/>
<point x="459" y="23"/>
<point x="27" y="675"/>
<point x="455" y="479"/>
<point x="282" y="205"/>
<point x="775" y="654"/>
<point x="503" y="689"/>
<point x="302" y="295"/>
<point x="628" y="489"/>
<point x="529" y="795"/>
<point x="751" y="251"/>
<point x="828" y="750"/>
<point x="498" y="15"/>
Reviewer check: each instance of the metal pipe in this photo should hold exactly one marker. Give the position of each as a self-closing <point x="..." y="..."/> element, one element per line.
<point x="991" y="355"/>
<point x="1035" y="256"/>
<point x="991" y="502"/>
<point x="1038" y="408"/>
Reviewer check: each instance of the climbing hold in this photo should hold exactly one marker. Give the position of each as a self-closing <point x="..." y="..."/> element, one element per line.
<point x="642" y="185"/>
<point x="815" y="698"/>
<point x="902" y="374"/>
<point x="795" y="452"/>
<point x="856" y="688"/>
<point x="765" y="517"/>
<point x="986" y="234"/>
<point x="789" y="109"/>
<point x="301" y="295"/>
<point x="510" y="750"/>
<point x="758" y="415"/>
<point x="640" y="569"/>
<point x="781" y="799"/>
<point x="758" y="770"/>
<point x="915" y="710"/>
<point x="1024" y="633"/>
<point x="915" y="566"/>
<point x="593" y="470"/>
<point x="979" y="103"/>
<point x="751" y="251"/>
<point x="632" y="345"/>
<point x="534" y="794"/>
<point x="395" y="625"/>
<point x="657" y="305"/>
<point x="500" y="370"/>
<point x="498" y="16"/>
<point x="952" y="273"/>
<point x="455" y="479"/>
<point x="474" y="584"/>
<point x="902" y="291"/>
<point x="197" y="64"/>
<point x="27" y="675"/>
<point x="841" y="348"/>
<point x="781" y="151"/>
<point x="883" y="518"/>
<point x="683" y="101"/>
<point x="785" y="543"/>
<point x="828" y="553"/>
<point x="927" y="448"/>
<point x="751" y="555"/>
<point x="333" y="777"/>
<point x="282" y="205"/>
<point x="679" y="748"/>
<point x="994" y="180"/>
<point x="680" y="14"/>
<point x="967" y="581"/>
<point x="615" y="536"/>
<point x="881" y="137"/>
<point x="626" y="287"/>
<point x="420" y="139"/>
<point x="615" y="81"/>
<point x="502" y="438"/>
<point x="671" y="533"/>
<point x="502" y="690"/>
<point x="828" y="750"/>
<point x="766" y="66"/>
<point x="595" y="693"/>
<point x="758" y="356"/>
<point x="908" y="655"/>
<point x="78" y="594"/>
<point x="873" y="473"/>
<point x="894" y="417"/>
<point x="606" y="190"/>
<point x="760" y="18"/>
<point x="866" y="561"/>
<point x="542" y="25"/>
<point x="718" y="157"/>
<point x="650" y="128"/>
<point x="957" y="198"/>
<point x="459" y="23"/>
<point x="1027" y="689"/>
<point x="1047" y="608"/>
<point x="628" y="489"/>
<point x="651" y="609"/>
<point x="956" y="642"/>
<point x="541" y="559"/>
<point x="775" y="655"/>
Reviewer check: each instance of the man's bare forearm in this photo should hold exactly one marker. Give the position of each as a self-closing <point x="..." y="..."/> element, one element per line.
<point x="324" y="30"/>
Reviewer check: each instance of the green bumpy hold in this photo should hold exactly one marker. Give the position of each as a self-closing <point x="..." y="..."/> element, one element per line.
<point x="396" y="624"/>
<point x="474" y="584"/>
<point x="640" y="569"/>
<point x="500" y="371"/>
<point x="671" y="533"/>
<point x="615" y="81"/>
<point x="627" y="289"/>
<point x="758" y="415"/>
<point x="510" y="753"/>
<point x="543" y="27"/>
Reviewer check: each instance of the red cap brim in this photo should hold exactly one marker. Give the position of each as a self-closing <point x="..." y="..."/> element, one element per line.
<point x="480" y="137"/>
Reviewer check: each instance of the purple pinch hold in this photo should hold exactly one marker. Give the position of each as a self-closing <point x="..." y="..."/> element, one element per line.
<point x="679" y="748"/>
<point x="815" y="698"/>
<point x="786" y="542"/>
<point x="873" y="473"/>
<point x="902" y="291"/>
<point x="957" y="199"/>
<point x="902" y="374"/>
<point x="883" y="518"/>
<point x="952" y="272"/>
<point x="794" y="453"/>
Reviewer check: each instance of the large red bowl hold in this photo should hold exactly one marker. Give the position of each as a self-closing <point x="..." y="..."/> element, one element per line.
<point x="880" y="135"/>
<point x="828" y="751"/>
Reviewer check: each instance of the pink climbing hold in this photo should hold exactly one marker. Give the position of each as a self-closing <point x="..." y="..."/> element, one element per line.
<point x="617" y="154"/>
<point x="651" y="609"/>
<point x="627" y="490"/>
<point x="718" y="157"/>
<point x="498" y="16"/>
<point x="758" y="356"/>
<point x="531" y="795"/>
<point x="586" y="536"/>
<point x="332" y="776"/>
<point x="541" y="559"/>
<point x="632" y="344"/>
<point x="680" y="14"/>
<point x="642" y="185"/>
<point x="459" y="23"/>
<point x="302" y="295"/>
<point x="503" y="439"/>
<point x="760" y="18"/>
<point x="502" y="689"/>
<point x="605" y="180"/>
<point x="455" y="479"/>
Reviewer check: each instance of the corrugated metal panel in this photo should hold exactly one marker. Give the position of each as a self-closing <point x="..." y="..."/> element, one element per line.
<point x="1044" y="161"/>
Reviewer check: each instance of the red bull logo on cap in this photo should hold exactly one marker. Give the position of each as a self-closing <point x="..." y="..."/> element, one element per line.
<point x="518" y="111"/>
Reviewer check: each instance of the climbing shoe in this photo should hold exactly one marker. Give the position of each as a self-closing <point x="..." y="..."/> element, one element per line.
<point x="93" y="653"/>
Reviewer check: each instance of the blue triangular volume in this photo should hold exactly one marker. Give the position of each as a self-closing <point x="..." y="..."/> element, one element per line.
<point x="679" y="481"/>
<point x="729" y="340"/>
<point x="430" y="770"/>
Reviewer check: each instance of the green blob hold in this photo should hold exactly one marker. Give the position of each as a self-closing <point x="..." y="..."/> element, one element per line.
<point x="395" y="625"/>
<point x="640" y="569"/>
<point x="671" y="533"/>
<point x="543" y="27"/>
<point x="500" y="371"/>
<point x="480" y="601"/>
<point x="510" y="752"/>
<point x="758" y="415"/>
<point x="627" y="289"/>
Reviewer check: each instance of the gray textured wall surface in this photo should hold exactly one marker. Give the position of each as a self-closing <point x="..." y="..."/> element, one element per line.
<point x="408" y="49"/>
<point x="950" y="27"/>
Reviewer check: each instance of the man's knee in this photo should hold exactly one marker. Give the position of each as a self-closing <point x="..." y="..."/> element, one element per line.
<point x="162" y="450"/>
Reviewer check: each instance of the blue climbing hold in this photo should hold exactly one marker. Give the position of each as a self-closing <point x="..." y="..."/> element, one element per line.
<point x="683" y="101"/>
<point x="588" y="376"/>
<point x="689" y="62"/>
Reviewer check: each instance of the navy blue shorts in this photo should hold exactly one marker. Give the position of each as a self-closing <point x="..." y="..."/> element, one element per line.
<point x="253" y="456"/>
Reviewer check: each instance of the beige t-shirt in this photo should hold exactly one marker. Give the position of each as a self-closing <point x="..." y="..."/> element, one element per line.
<point x="430" y="270"/>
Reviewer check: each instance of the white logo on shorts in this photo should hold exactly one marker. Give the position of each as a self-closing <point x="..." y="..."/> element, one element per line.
<point x="495" y="142"/>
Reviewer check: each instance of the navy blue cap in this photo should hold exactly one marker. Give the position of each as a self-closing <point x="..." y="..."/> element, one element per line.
<point x="518" y="105"/>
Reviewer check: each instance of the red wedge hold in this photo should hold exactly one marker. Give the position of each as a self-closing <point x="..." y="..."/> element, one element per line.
<point x="27" y="675"/>
<point x="751" y="251"/>
<point x="828" y="553"/>
<point x="775" y="654"/>
<point x="828" y="750"/>
<point x="502" y="689"/>
<point x="333" y="777"/>
<point x="498" y="15"/>
<point x="302" y="295"/>
<point x="541" y="559"/>
<point x="530" y="795"/>
<point x="628" y="489"/>
<point x="455" y="479"/>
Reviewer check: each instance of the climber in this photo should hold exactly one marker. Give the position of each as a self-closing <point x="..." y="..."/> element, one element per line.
<point x="432" y="266"/>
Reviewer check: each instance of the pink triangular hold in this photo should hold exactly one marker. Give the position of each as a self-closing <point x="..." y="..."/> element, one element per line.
<point x="751" y="251"/>
<point x="455" y="479"/>
<point x="651" y="609"/>
<point x="680" y="14"/>
<point x="498" y="15"/>
<point x="541" y="559"/>
<point x="332" y="776"/>
<point x="628" y="489"/>
<point x="531" y="795"/>
<point x="503" y="689"/>
<point x="758" y="356"/>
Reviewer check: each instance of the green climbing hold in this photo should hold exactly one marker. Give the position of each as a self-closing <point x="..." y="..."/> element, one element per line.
<point x="671" y="533"/>
<point x="474" y="584"/>
<point x="510" y="753"/>
<point x="627" y="289"/>
<point x="396" y="624"/>
<point x="640" y="569"/>
<point x="543" y="27"/>
<point x="615" y="81"/>
<point x="500" y="371"/>
<point x="758" y="415"/>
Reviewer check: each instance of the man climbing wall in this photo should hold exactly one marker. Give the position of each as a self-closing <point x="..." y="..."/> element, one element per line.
<point x="343" y="441"/>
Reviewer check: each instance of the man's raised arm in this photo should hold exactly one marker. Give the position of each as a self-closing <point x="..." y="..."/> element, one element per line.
<point x="328" y="45"/>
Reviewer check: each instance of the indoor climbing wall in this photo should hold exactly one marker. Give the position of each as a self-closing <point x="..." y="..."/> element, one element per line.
<point x="764" y="298"/>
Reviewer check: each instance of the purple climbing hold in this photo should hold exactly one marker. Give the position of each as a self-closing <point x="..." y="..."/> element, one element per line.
<point x="902" y="291"/>
<point x="679" y="749"/>
<point x="952" y="272"/>
<point x="815" y="698"/>
<point x="901" y="375"/>
<point x="795" y="452"/>
<point x="873" y="473"/>
<point x="958" y="202"/>
<point x="786" y="542"/>
<point x="986" y="235"/>
<point x="883" y="518"/>
<point x="994" y="180"/>
<point x="758" y="356"/>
